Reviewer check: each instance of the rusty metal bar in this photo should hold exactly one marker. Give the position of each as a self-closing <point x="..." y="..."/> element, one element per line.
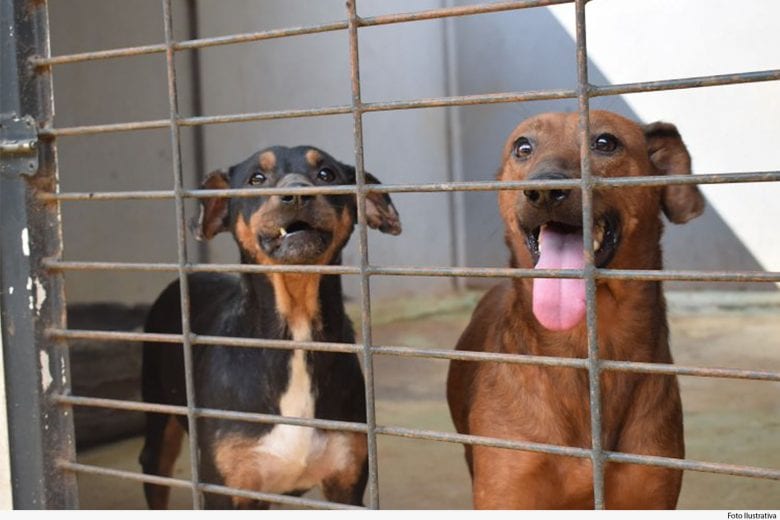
<point x="181" y="245"/>
<point x="365" y="281"/>
<point x="428" y="353"/>
<point x="139" y="406"/>
<point x="594" y="367"/>
<point x="598" y="183"/>
<point x="201" y="43"/>
<point x="447" y="101"/>
<point x="412" y="433"/>
<point x="472" y="272"/>
<point x="208" y="488"/>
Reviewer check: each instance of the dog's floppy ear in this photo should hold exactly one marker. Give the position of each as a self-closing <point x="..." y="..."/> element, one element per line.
<point x="213" y="217"/>
<point x="380" y="211"/>
<point x="669" y="155"/>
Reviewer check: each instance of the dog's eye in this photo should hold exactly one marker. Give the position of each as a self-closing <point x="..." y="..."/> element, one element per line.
<point x="605" y="143"/>
<point x="523" y="148"/>
<point x="257" y="179"/>
<point x="326" y="175"/>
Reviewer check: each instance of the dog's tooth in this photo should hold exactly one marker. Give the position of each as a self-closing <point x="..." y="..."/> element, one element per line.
<point x="282" y="232"/>
<point x="596" y="245"/>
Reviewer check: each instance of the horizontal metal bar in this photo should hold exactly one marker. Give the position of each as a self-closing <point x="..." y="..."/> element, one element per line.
<point x="208" y="413"/>
<point x="208" y="488"/>
<point x="717" y="80"/>
<point x="627" y="458"/>
<point x="550" y="184"/>
<point x="408" y="433"/>
<point x="477" y="440"/>
<point x="197" y="339"/>
<point x="427" y="353"/>
<point x="449" y="101"/>
<point x="201" y="43"/>
<point x="56" y="265"/>
<point x="471" y="272"/>
<point x="688" y="276"/>
<point x="694" y="465"/>
<point x="621" y="274"/>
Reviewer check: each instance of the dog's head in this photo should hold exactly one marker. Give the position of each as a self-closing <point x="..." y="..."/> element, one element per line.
<point x="290" y="229"/>
<point x="544" y="227"/>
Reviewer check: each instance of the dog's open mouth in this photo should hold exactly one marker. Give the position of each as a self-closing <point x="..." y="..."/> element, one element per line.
<point x="296" y="227"/>
<point x="297" y="242"/>
<point x="559" y="303"/>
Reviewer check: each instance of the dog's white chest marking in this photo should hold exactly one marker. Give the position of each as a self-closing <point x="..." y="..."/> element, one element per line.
<point x="299" y="457"/>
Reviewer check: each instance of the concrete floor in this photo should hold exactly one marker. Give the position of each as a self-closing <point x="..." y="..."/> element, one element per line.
<point x="729" y="421"/>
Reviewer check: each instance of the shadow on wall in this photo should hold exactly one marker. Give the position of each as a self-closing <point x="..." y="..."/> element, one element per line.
<point x="515" y="51"/>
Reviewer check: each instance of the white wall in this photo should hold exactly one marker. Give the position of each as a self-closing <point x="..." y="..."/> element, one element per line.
<point x="727" y="129"/>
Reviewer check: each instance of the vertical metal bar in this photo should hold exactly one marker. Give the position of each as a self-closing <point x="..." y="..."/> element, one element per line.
<point x="457" y="199"/>
<point x="181" y="236"/>
<point x="594" y="369"/>
<point x="365" y="290"/>
<point x="196" y="105"/>
<point x="37" y="367"/>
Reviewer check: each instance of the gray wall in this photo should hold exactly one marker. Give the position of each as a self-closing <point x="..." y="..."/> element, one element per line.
<point x="113" y="91"/>
<point x="512" y="51"/>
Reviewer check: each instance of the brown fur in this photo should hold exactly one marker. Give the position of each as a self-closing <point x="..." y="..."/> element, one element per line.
<point x="171" y="446"/>
<point x="246" y="467"/>
<point x="641" y="413"/>
<point x="313" y="157"/>
<point x="297" y="294"/>
<point x="267" y="161"/>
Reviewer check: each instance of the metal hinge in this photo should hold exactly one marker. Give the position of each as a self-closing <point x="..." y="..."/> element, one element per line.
<point x="18" y="145"/>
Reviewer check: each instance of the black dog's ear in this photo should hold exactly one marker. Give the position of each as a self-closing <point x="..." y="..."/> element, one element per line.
<point x="669" y="155"/>
<point x="213" y="217"/>
<point x="380" y="211"/>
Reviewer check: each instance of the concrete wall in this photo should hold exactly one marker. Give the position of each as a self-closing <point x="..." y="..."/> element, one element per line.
<point x="113" y="91"/>
<point x="397" y="62"/>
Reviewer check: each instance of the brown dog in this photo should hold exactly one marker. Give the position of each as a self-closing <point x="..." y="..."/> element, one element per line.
<point x="641" y="413"/>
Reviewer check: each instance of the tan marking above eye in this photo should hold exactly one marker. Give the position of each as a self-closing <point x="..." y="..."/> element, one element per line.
<point x="313" y="157"/>
<point x="268" y="161"/>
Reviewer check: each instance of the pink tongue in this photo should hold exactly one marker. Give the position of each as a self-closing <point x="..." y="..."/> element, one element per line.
<point x="559" y="303"/>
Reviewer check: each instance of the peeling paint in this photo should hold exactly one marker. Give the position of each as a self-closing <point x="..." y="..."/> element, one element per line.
<point x="46" y="378"/>
<point x="40" y="295"/>
<point x="30" y="295"/>
<point x="25" y="242"/>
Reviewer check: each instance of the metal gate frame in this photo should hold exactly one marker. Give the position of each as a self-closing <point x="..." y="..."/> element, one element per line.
<point x="35" y="335"/>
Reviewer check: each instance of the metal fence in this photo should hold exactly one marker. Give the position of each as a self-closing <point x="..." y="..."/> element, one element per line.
<point x="43" y="457"/>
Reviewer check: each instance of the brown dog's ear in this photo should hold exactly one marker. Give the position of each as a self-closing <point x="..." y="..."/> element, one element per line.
<point x="213" y="217"/>
<point x="669" y="155"/>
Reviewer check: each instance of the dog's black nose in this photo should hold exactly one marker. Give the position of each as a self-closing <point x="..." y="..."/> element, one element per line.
<point x="297" y="200"/>
<point x="547" y="198"/>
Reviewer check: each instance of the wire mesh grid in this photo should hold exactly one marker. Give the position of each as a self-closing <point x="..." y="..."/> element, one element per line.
<point x="584" y="92"/>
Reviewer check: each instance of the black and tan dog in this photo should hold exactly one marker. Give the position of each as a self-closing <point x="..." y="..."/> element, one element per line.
<point x="641" y="413"/>
<point x="286" y="229"/>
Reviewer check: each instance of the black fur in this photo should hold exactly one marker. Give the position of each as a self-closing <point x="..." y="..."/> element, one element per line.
<point x="249" y="379"/>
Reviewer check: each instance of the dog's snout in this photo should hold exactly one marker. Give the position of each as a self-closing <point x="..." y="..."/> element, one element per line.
<point x="298" y="200"/>
<point x="295" y="181"/>
<point x="547" y="198"/>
